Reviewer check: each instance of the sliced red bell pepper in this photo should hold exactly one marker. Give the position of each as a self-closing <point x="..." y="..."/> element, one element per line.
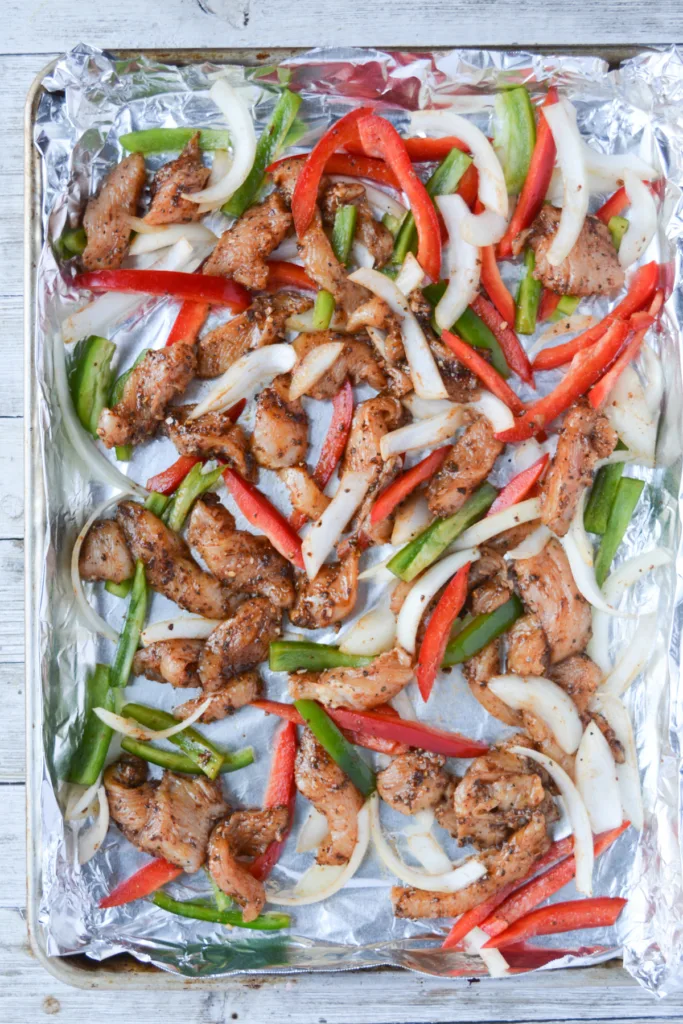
<point x="495" y="288"/>
<point x="596" y="912"/>
<point x="189" y="321"/>
<point x="547" y="305"/>
<point x="406" y="483"/>
<point x="484" y="371"/>
<point x="522" y="956"/>
<point x="380" y="138"/>
<point x="614" y="206"/>
<point x="362" y="167"/>
<point x="536" y="184"/>
<point x="468" y="188"/>
<point x="379" y="744"/>
<point x="170" y="479"/>
<point x="642" y="323"/>
<point x="437" y="633"/>
<point x="305" y="194"/>
<point x="255" y="507"/>
<point x="515" y="356"/>
<point x="419" y="150"/>
<point x="518" y="488"/>
<point x="219" y="291"/>
<point x="281" y="792"/>
<point x="144" y="882"/>
<point x="288" y="275"/>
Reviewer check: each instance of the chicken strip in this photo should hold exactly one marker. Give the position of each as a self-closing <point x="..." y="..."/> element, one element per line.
<point x="362" y="531"/>
<point x="239" y="643"/>
<point x="371" y="233"/>
<point x="237" y="839"/>
<point x="212" y="436"/>
<point x="185" y="174"/>
<point x="357" y="688"/>
<point x="478" y="671"/>
<point x="372" y="419"/>
<point x="153" y="384"/>
<point x="170" y="661"/>
<point x="241" y="690"/>
<point x="468" y="465"/>
<point x="104" y="553"/>
<point x="107" y="216"/>
<point x="280" y="436"/>
<point x="413" y="782"/>
<point x="528" y="652"/>
<point x="329" y="598"/>
<point x="491" y="595"/>
<point x="285" y="174"/>
<point x="321" y="780"/>
<point x="580" y="678"/>
<point x="356" y="362"/>
<point x="243" y="249"/>
<point x="305" y="495"/>
<point x="512" y="538"/>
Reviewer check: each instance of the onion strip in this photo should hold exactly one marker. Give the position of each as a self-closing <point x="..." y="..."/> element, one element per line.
<point x="326" y="531"/>
<point x="633" y="660"/>
<point x="373" y="634"/>
<point x="185" y="627"/>
<point x="242" y="141"/>
<point x="531" y="545"/>
<point x="162" y="237"/>
<point x="562" y="124"/>
<point x="312" y="367"/>
<point x="410" y="276"/>
<point x="91" y="840"/>
<point x="129" y="727"/>
<point x="628" y="775"/>
<point x="596" y="780"/>
<point x="546" y="699"/>
<point x="423" y="433"/>
<point x="499" y="522"/>
<point x="463" y="263"/>
<point x="422" y="592"/>
<point x="312" y="832"/>
<point x="246" y="374"/>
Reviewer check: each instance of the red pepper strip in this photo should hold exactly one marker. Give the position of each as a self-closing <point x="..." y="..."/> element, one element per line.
<point x="306" y="189"/>
<point x="380" y="138"/>
<point x="495" y="288"/>
<point x="641" y="321"/>
<point x="189" y="322"/>
<point x="255" y="507"/>
<point x="144" y="882"/>
<point x="515" y="356"/>
<point x="281" y="792"/>
<point x="523" y="957"/>
<point x="469" y="186"/>
<point x="598" y="912"/>
<point x="520" y="486"/>
<point x="219" y="291"/>
<point x="355" y="166"/>
<point x="547" y="305"/>
<point x="486" y="373"/>
<point x="419" y="150"/>
<point x="167" y="481"/>
<point x="379" y="744"/>
<point x="640" y="293"/>
<point x="536" y="184"/>
<point x="288" y="275"/>
<point x="438" y="631"/>
<point x="405" y="484"/>
<point x="586" y="368"/>
<point x="614" y="206"/>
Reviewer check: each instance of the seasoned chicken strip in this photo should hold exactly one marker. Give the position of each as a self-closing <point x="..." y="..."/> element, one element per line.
<point x="579" y="677"/>
<point x="509" y="539"/>
<point x="241" y="690"/>
<point x="243" y="249"/>
<point x="358" y="688"/>
<point x="245" y="834"/>
<point x="413" y="782"/>
<point x="371" y="233"/>
<point x="211" y="436"/>
<point x="528" y="652"/>
<point x="285" y="174"/>
<point x="491" y="595"/>
<point x="170" y="661"/>
<point x="304" y="493"/>
<point x="280" y="436"/>
<point x="371" y="421"/>
<point x="478" y="670"/>
<point x="469" y="463"/>
<point x="239" y="643"/>
<point x="329" y="598"/>
<point x="153" y="384"/>
<point x="251" y="832"/>
<point x="362" y="531"/>
<point x="107" y="216"/>
<point x="185" y="174"/>
<point x="356" y="362"/>
<point x="104" y="553"/>
<point x="321" y="780"/>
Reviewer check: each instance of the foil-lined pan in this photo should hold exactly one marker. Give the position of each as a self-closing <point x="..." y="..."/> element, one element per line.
<point x="89" y="99"/>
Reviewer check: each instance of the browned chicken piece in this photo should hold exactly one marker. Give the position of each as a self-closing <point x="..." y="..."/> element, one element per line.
<point x="280" y="436"/>
<point x="251" y="832"/>
<point x="171" y="818"/>
<point x="231" y="874"/>
<point x="264" y="323"/>
<point x="104" y="553"/>
<point x="170" y="661"/>
<point x="490" y="565"/>
<point x="169" y="566"/>
<point x="544" y="739"/>
<point x="377" y="239"/>
<point x="399" y="594"/>
<point x="239" y="643"/>
<point x="608" y="732"/>
<point x="329" y="598"/>
<point x="211" y="436"/>
<point x="246" y="563"/>
<point x="371" y="421"/>
<point x="586" y="436"/>
<point x="547" y="588"/>
<point x="285" y="175"/>
<point x="356" y="362"/>
<point x="511" y="538"/>
<point x="233" y="695"/>
<point x="579" y="677"/>
<point x="107" y="215"/>
<point x="243" y="249"/>
<point x="591" y="268"/>
<point x="528" y="652"/>
<point x="491" y="595"/>
<point x="304" y="493"/>
<point x="153" y="384"/>
<point x="357" y="688"/>
<point x="468" y="464"/>
<point x="362" y="531"/>
<point x="509" y="864"/>
<point x="185" y="174"/>
<point x="321" y="780"/>
<point x="444" y="812"/>
<point x="413" y="782"/>
<point x="478" y="671"/>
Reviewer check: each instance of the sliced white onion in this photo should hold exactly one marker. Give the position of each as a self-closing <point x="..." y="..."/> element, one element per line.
<point x="628" y="412"/>
<point x="361" y="255"/>
<point x="578" y="817"/>
<point x="422" y="433"/>
<point x="633" y="660"/>
<point x="381" y="200"/>
<point x="91" y="840"/>
<point x="80" y="800"/>
<point x="242" y="141"/>
<point x="312" y="367"/>
<point x="655" y="379"/>
<point x="304" y="322"/>
<point x="526" y="454"/>
<point x="628" y="775"/>
<point x="463" y="260"/>
<point x="573" y="324"/>
<point x="420" y="823"/>
<point x="496" y="412"/>
<point x="568" y="142"/>
<point x="423" y="369"/>
<point x="499" y="522"/>
<point x="286" y="250"/>
<point x="372" y="634"/>
<point x="642" y="220"/>
<point x="221" y="164"/>
<point x="410" y="276"/>
<point x="546" y="699"/>
<point x="633" y="570"/>
<point x="496" y="964"/>
<point x="429" y="852"/>
<point x="411" y="517"/>
<point x="324" y="880"/>
<point x="324" y="533"/>
<point x="613" y="167"/>
<point x="531" y="545"/>
<point x="249" y="372"/>
<point x="579" y="552"/>
<point x="184" y="627"/>
<point x="379" y="571"/>
<point x="481" y="229"/>
<point x="596" y="780"/>
<point x="423" y="590"/>
<point x="165" y="236"/>
<point x="129" y="727"/>
<point x="313" y="832"/>
<point x="424" y="408"/>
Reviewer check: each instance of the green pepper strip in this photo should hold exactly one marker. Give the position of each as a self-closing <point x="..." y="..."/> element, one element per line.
<point x="231" y="918"/>
<point x="169" y="140"/>
<point x="471" y="328"/>
<point x="290" y="655"/>
<point x="337" y="746"/>
<point x="528" y="297"/>
<point x="433" y="541"/>
<point x="88" y="761"/>
<point x="627" y="497"/>
<point x="90" y="379"/>
<point x="124" y="452"/>
<point x="72" y="242"/>
<point x="177" y="762"/>
<point x="473" y="637"/>
<point x="343" y="231"/>
<point x="223" y="901"/>
<point x="443" y="182"/>
<point x="567" y="305"/>
<point x="192" y="487"/>
<point x="132" y="627"/>
<point x="119" y="589"/>
<point x="267" y="148"/>
<point x="618" y="226"/>
<point x="392" y="223"/>
<point x="156" y="503"/>
<point x="323" y="310"/>
<point x="199" y="750"/>
<point x="602" y="495"/>
<point x="514" y="135"/>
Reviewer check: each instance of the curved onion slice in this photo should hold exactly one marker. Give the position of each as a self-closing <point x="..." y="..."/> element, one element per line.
<point x="655" y="379"/>
<point x="567" y="325"/>
<point x="491" y="526"/>
<point x="596" y="780"/>
<point x="361" y="255"/>
<point x="324" y="880"/>
<point x="247" y="373"/>
<point x="410" y="276"/>
<point x="326" y="531"/>
<point x="481" y="229"/>
<point x="568" y="142"/>
<point x="80" y="800"/>
<point x="312" y="832"/>
<point x="221" y="164"/>
<point x="613" y="167"/>
<point x="633" y="570"/>
<point x="381" y="200"/>
<point x="425" y="408"/>
<point x="185" y="627"/>
<point x="628" y="775"/>
<point x="422" y="433"/>
<point x="430" y="853"/>
<point x="379" y="570"/>
<point x="372" y="634"/>
<point x="423" y="590"/>
<point x="411" y="517"/>
<point x="288" y="250"/>
<point x="642" y="220"/>
<point x="496" y="965"/>
<point x="629" y="413"/>
<point x="312" y="367"/>
<point x="162" y="237"/>
<point x="578" y="817"/>
<point x="129" y="727"/>
<point x="496" y="412"/>
<point x="633" y="660"/>
<point x="91" y="840"/>
<point x="242" y="141"/>
<point x="423" y="369"/>
<point x="579" y="553"/>
<point x="531" y="545"/>
<point x="463" y="261"/>
<point x="546" y="699"/>
<point x="304" y="322"/>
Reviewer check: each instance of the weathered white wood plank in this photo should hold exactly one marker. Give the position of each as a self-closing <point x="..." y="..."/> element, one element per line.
<point x="12" y="752"/>
<point x="12" y="347"/>
<point x="11" y="602"/>
<point x="11" y="473"/>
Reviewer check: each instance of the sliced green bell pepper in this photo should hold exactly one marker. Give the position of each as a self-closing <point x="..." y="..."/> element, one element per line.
<point x="337" y="746"/>
<point x="514" y="135"/>
<point x="90" y="377"/>
<point x="232" y="918"/>
<point x="179" y="762"/>
<point x="475" y="635"/>
<point x="119" y="589"/>
<point x="195" y="746"/>
<point x="170" y="140"/>
<point x="627" y="497"/>
<point x="323" y="310"/>
<point x="528" y="297"/>
<point x="72" y="242"/>
<point x="343" y="231"/>
<point x="132" y="627"/>
<point x="443" y="182"/>
<point x="88" y="761"/>
<point x="471" y="328"/>
<point x="618" y="226"/>
<point x="567" y="305"/>
<point x="156" y="503"/>
<point x="602" y="495"/>
<point x="291" y="655"/>
<point x="196" y="483"/>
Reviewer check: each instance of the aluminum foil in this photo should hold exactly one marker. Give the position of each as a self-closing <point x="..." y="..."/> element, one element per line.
<point x="90" y="100"/>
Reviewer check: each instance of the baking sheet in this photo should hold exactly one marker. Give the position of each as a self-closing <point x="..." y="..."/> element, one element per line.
<point x="76" y="134"/>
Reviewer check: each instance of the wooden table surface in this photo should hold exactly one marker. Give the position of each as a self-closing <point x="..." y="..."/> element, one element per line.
<point x="32" y="32"/>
